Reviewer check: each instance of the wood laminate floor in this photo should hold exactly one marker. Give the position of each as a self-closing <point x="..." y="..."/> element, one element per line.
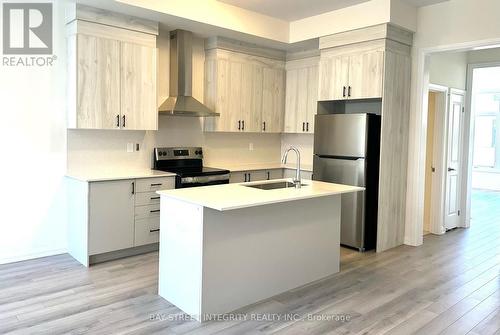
<point x="450" y="285"/>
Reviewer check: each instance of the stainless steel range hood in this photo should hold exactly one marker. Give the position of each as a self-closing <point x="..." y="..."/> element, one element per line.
<point x="181" y="102"/>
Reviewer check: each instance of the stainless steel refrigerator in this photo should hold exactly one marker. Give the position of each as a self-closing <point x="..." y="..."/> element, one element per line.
<point x="347" y="151"/>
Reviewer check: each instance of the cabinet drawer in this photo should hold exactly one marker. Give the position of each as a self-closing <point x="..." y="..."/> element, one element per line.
<point x="143" y="212"/>
<point x="147" y="198"/>
<point x="147" y="231"/>
<point x="154" y="184"/>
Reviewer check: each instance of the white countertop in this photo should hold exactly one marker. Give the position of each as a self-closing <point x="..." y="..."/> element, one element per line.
<point x="234" y="196"/>
<point x="115" y="174"/>
<point x="260" y="166"/>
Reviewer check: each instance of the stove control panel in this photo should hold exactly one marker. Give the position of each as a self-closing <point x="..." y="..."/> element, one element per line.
<point x="178" y="153"/>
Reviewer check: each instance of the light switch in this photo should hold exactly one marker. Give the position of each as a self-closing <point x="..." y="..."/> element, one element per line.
<point x="250" y="146"/>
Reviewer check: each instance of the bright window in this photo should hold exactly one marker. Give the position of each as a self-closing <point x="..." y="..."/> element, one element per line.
<point x="486" y="109"/>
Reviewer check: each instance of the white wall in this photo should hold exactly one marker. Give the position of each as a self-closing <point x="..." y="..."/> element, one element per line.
<point x="449" y="69"/>
<point x="32" y="132"/>
<point x="303" y="142"/>
<point x="106" y="149"/>
<point x="451" y="25"/>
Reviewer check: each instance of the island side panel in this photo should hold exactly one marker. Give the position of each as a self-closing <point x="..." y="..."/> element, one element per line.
<point x="255" y="253"/>
<point x="180" y="260"/>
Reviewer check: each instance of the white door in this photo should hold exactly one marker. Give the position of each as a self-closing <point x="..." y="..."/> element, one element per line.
<point x="454" y="157"/>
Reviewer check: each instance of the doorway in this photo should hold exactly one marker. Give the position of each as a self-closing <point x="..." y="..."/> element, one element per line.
<point x="437" y="106"/>
<point x="485" y="140"/>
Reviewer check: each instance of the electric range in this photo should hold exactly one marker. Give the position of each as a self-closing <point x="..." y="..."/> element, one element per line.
<point x="187" y="164"/>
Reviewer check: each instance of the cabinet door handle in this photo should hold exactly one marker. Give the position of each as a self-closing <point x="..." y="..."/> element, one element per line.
<point x="307" y="126"/>
<point x="123" y="122"/>
<point x="268" y="175"/>
<point x="155" y="185"/>
<point x="343" y="92"/>
<point x="243" y="125"/>
<point x="349" y="91"/>
<point x="155" y="198"/>
<point x="154" y="211"/>
<point x="239" y="124"/>
<point x="264" y="126"/>
<point x="249" y="176"/>
<point x="118" y="121"/>
<point x="133" y="187"/>
<point x="154" y="230"/>
<point x="245" y="177"/>
<point x="303" y="126"/>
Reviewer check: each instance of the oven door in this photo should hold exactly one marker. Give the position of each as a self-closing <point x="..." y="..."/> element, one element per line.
<point x="197" y="181"/>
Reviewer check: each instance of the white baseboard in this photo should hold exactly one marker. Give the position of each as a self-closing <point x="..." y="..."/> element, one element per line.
<point x="25" y="257"/>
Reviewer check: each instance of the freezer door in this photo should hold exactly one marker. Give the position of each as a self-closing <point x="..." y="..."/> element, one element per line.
<point x="342" y="135"/>
<point x="350" y="172"/>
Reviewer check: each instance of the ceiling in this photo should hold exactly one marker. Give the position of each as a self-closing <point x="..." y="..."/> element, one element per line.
<point x="291" y="10"/>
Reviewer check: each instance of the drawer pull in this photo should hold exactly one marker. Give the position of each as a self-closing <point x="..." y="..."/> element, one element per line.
<point x="155" y="198"/>
<point x="154" y="230"/>
<point x="154" y="211"/>
<point x="156" y="184"/>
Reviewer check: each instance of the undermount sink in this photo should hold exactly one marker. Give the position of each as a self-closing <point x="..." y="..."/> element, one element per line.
<point x="273" y="186"/>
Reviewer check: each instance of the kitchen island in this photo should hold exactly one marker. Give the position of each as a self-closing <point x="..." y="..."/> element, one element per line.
<point x="223" y="247"/>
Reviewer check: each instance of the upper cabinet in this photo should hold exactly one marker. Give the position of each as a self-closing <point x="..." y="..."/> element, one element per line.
<point x="247" y="90"/>
<point x="112" y="71"/>
<point x="351" y="74"/>
<point x="301" y="95"/>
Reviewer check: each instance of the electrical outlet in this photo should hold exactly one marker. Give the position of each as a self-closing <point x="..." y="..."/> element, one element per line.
<point x="130" y="147"/>
<point x="250" y="146"/>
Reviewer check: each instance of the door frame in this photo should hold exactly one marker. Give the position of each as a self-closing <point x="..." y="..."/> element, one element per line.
<point x="467" y="185"/>
<point x="414" y="218"/>
<point x="436" y="225"/>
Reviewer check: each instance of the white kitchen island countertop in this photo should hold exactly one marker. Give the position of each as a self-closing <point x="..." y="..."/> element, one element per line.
<point x="235" y="196"/>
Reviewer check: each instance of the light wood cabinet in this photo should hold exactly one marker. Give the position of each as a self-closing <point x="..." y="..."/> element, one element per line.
<point x="366" y="71"/>
<point x="112" y="78"/>
<point x="138" y="87"/>
<point x="301" y="95"/>
<point x="333" y="77"/>
<point x="273" y="100"/>
<point x="98" y="82"/>
<point x="247" y="91"/>
<point x="357" y="75"/>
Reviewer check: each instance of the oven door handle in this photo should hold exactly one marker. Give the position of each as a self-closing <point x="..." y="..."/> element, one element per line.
<point x="204" y="179"/>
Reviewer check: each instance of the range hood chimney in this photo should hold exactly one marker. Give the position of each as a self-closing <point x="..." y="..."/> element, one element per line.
<point x="181" y="102"/>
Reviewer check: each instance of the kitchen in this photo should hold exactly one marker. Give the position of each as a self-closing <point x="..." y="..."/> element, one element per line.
<point x="247" y="89"/>
<point x="205" y="144"/>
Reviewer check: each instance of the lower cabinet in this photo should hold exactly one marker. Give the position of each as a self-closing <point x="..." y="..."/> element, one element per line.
<point x="255" y="175"/>
<point x="290" y="173"/>
<point x="109" y="216"/>
<point x="147" y="230"/>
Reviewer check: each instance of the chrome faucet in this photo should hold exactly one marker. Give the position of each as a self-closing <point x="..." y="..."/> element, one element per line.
<point x="297" y="179"/>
